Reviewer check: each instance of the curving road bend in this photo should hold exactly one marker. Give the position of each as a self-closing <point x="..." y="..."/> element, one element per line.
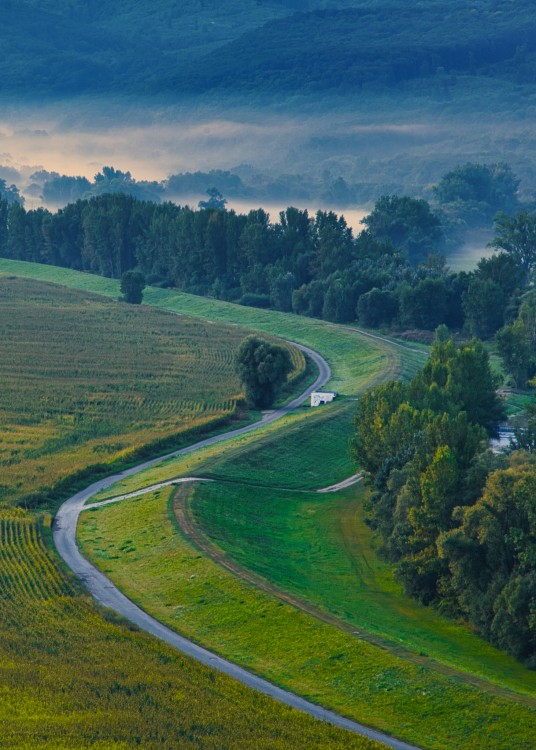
<point x="103" y="590"/>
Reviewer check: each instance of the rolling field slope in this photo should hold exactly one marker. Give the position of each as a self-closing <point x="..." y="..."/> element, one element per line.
<point x="87" y="381"/>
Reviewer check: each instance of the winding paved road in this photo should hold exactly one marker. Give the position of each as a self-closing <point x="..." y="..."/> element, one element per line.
<point x="103" y="590"/>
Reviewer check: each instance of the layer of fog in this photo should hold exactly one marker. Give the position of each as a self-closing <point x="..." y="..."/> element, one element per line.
<point x="402" y="150"/>
<point x="401" y="143"/>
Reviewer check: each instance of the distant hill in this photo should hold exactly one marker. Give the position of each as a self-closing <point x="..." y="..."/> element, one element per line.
<point x="58" y="47"/>
<point x="379" y="45"/>
<point x="52" y="47"/>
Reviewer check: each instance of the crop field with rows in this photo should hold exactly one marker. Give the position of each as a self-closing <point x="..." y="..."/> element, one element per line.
<point x="360" y="362"/>
<point x="86" y="380"/>
<point x="74" y="677"/>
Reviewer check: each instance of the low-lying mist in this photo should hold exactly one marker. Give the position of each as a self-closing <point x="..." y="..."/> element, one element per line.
<point x="380" y="146"/>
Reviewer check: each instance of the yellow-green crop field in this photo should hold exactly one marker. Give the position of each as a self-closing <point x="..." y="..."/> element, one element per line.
<point x="86" y="380"/>
<point x="357" y="362"/>
<point x="74" y="677"/>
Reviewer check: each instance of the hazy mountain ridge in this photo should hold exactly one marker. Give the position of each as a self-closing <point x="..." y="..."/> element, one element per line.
<point x="69" y="46"/>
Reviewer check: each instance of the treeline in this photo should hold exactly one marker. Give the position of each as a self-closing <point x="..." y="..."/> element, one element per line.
<point x="458" y="521"/>
<point x="392" y="274"/>
<point x="54" y="189"/>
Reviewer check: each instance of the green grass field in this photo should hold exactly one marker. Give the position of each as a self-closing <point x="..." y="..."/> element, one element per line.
<point x="73" y="677"/>
<point x="137" y="544"/>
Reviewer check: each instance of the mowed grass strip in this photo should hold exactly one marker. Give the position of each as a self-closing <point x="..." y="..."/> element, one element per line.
<point x="73" y="677"/>
<point x="137" y="545"/>
<point x="310" y="453"/>
<point x="86" y="380"/>
<point x="317" y="547"/>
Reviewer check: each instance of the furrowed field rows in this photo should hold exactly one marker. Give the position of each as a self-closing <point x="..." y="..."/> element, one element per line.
<point x="73" y="678"/>
<point x="360" y="362"/>
<point x="86" y="380"/>
<point x="26" y="570"/>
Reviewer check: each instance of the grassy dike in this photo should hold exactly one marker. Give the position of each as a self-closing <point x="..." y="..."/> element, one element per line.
<point x="138" y="545"/>
<point x="262" y="514"/>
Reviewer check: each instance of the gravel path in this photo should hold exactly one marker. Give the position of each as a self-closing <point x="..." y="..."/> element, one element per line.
<point x="103" y="590"/>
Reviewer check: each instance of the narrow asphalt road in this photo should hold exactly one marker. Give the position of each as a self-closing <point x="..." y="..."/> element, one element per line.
<point x="103" y="590"/>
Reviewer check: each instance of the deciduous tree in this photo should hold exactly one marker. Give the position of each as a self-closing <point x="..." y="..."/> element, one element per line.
<point x="262" y="368"/>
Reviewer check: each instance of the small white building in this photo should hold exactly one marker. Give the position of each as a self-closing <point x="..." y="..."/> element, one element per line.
<point x="322" y="397"/>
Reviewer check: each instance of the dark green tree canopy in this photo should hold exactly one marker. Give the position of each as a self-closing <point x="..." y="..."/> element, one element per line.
<point x="132" y="286"/>
<point x="490" y="556"/>
<point x="408" y="224"/>
<point x="517" y="237"/>
<point x="418" y="443"/>
<point x="308" y="265"/>
<point x="262" y="367"/>
<point x="215" y="201"/>
<point x="10" y="193"/>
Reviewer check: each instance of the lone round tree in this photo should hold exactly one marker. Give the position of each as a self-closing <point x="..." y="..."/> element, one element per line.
<point x="132" y="286"/>
<point x="262" y="368"/>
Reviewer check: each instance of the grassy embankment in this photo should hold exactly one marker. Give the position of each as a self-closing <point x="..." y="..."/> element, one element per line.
<point x="318" y="547"/>
<point x="136" y="543"/>
<point x="73" y="677"/>
<point x="86" y="381"/>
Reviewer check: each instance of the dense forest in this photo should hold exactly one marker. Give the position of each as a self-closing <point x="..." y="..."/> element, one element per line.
<point x="458" y="521"/>
<point x="375" y="45"/>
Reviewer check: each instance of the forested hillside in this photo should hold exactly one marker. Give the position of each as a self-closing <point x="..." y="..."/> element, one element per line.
<point x="71" y="47"/>
<point x="303" y="45"/>
<point x="378" y="45"/>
